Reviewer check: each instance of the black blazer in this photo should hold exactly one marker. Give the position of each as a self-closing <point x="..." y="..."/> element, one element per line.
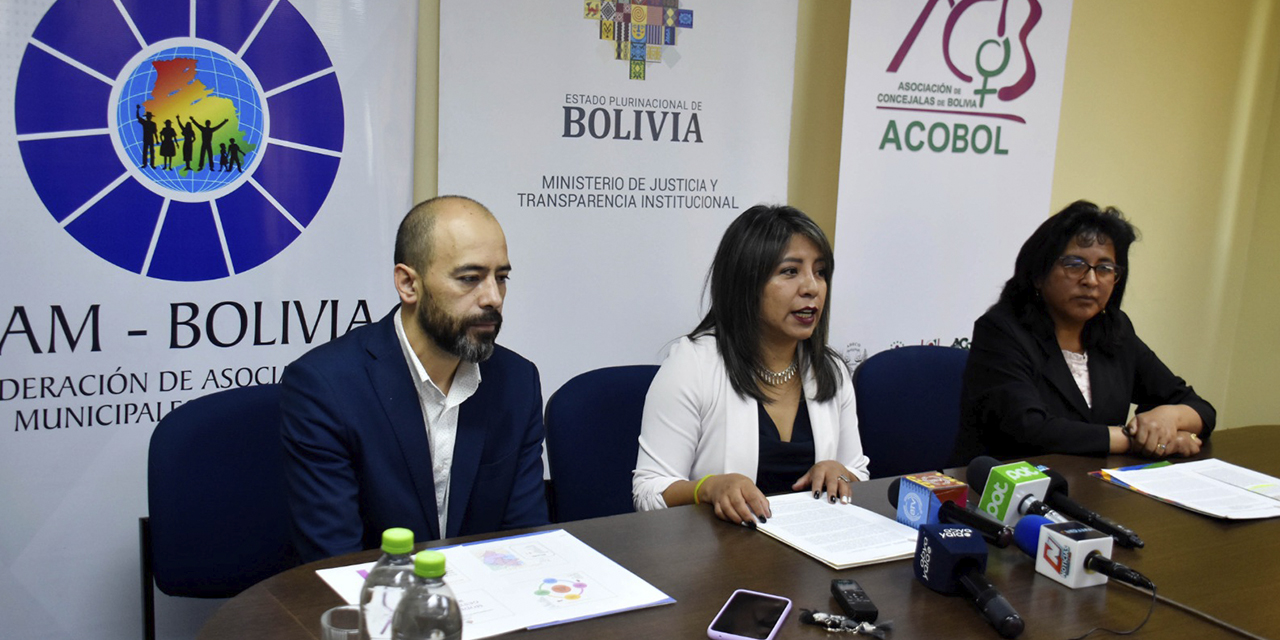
<point x="1018" y="397"/>
<point x="358" y="460"/>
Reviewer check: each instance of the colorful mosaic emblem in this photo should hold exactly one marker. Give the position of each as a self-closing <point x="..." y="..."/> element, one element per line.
<point x="640" y="30"/>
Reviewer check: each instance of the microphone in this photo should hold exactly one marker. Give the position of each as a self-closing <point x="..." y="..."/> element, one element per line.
<point x="929" y="499"/>
<point x="1010" y="491"/>
<point x="1073" y="554"/>
<point x="1057" y="498"/>
<point x="951" y="559"/>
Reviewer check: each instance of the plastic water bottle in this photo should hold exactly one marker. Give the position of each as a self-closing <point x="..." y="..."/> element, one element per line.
<point x="386" y="584"/>
<point x="429" y="610"/>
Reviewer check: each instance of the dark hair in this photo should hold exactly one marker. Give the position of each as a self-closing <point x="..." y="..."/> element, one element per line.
<point x="1087" y="223"/>
<point x="752" y="247"/>
<point x="413" y="237"/>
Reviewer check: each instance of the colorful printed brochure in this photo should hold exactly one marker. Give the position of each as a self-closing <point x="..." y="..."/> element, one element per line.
<point x="1211" y="487"/>
<point x="534" y="580"/>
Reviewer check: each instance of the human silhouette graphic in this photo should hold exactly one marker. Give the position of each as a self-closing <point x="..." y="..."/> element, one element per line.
<point x="188" y="141"/>
<point x="206" y="140"/>
<point x="148" y="136"/>
<point x="168" y="144"/>
<point x="222" y="157"/>
<point x="233" y="153"/>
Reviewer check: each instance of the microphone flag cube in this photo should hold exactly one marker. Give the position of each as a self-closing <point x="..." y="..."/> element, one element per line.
<point x="943" y="551"/>
<point x="921" y="494"/>
<point x="1062" y="551"/>
<point x="1007" y="486"/>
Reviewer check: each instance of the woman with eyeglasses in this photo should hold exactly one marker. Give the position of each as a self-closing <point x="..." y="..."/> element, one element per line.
<point x="753" y="402"/>
<point x="1055" y="365"/>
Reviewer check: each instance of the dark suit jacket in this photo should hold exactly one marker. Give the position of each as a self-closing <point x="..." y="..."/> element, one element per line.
<point x="358" y="459"/>
<point x="1019" y="399"/>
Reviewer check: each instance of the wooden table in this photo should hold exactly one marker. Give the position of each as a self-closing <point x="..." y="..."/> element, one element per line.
<point x="1225" y="569"/>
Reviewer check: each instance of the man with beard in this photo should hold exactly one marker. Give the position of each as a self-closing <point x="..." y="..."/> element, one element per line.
<point x="419" y="420"/>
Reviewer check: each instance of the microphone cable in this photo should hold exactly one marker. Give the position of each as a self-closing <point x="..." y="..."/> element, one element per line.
<point x="1217" y="622"/>
<point x="1151" y="610"/>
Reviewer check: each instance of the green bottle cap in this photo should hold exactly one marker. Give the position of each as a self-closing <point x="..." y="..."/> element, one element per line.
<point x="429" y="564"/>
<point x="397" y="540"/>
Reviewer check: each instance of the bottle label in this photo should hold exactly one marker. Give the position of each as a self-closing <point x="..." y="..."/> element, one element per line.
<point x="379" y="609"/>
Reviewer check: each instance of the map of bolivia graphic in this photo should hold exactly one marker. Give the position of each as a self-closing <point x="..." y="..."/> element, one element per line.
<point x="179" y="94"/>
<point x="86" y="76"/>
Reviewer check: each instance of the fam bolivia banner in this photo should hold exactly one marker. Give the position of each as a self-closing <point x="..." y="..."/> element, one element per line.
<point x="946" y="164"/>
<point x="193" y="198"/>
<point x="615" y="141"/>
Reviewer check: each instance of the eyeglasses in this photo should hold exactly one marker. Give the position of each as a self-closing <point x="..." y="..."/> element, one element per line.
<point x="1077" y="268"/>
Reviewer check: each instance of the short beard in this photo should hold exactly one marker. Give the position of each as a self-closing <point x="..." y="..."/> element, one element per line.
<point x="450" y="333"/>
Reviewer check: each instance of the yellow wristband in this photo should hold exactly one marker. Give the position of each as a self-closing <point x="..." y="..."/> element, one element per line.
<point x="699" y="486"/>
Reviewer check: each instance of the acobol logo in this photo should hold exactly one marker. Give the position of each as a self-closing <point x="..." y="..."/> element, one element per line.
<point x="181" y="141"/>
<point x="984" y="62"/>
<point x="640" y="33"/>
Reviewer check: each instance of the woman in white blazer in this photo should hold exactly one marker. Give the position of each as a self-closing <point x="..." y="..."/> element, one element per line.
<point x="753" y="402"/>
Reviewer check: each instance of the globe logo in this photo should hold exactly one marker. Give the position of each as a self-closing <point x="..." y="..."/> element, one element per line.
<point x="179" y="141"/>
<point x="190" y="119"/>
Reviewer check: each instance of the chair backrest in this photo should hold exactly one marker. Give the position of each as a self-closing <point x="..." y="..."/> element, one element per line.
<point x="909" y="408"/>
<point x="593" y="435"/>
<point x="216" y="488"/>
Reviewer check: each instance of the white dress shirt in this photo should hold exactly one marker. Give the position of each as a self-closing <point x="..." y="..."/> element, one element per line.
<point x="440" y="415"/>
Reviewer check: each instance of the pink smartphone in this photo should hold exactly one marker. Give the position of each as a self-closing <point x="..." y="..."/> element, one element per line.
<point x="749" y="615"/>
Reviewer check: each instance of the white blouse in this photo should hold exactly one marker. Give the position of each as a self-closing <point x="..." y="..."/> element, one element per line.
<point x="695" y="424"/>
<point x="1078" y="363"/>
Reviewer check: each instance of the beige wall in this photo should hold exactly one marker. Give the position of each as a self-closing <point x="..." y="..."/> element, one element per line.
<point x="1252" y="395"/>
<point x="1169" y="113"/>
<point x="1166" y="111"/>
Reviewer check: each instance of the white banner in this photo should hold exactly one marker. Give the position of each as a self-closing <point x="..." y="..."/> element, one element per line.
<point x="614" y="141"/>
<point x="195" y="194"/>
<point x="946" y="165"/>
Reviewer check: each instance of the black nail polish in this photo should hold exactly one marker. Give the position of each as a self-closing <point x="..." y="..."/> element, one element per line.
<point x="816" y="494"/>
<point x="832" y="499"/>
<point x="763" y="520"/>
<point x="751" y="524"/>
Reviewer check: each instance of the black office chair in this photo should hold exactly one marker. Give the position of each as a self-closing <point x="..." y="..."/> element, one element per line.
<point x="218" y="511"/>
<point x="593" y="435"/>
<point x="909" y="408"/>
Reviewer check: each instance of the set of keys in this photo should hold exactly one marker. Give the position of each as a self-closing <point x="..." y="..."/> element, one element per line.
<point x="860" y="612"/>
<point x="841" y="624"/>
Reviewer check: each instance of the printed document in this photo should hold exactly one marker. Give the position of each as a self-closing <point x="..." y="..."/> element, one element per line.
<point x="1211" y="487"/>
<point x="840" y="535"/>
<point x="520" y="582"/>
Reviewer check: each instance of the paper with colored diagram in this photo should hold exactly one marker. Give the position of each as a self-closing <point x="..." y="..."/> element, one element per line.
<point x="532" y="580"/>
